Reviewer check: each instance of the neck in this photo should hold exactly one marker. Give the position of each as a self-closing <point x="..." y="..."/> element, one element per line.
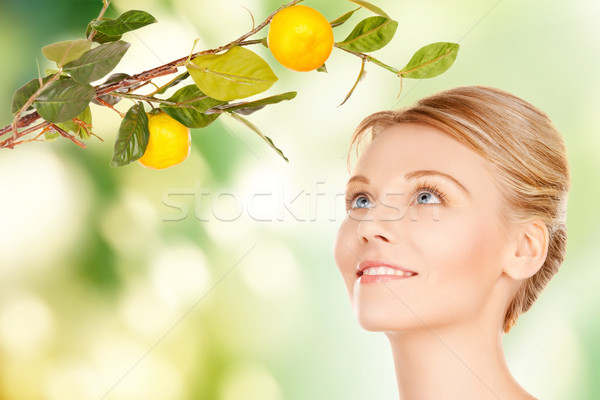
<point x="452" y="363"/>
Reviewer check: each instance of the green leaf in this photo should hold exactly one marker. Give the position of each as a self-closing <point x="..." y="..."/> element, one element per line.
<point x="177" y="80"/>
<point x="431" y="60"/>
<point x="371" y="7"/>
<point x="23" y="93"/>
<point x="370" y="34"/>
<point x="63" y="100"/>
<point x="195" y="103"/>
<point x="322" y="68"/>
<point x="100" y="37"/>
<point x="132" y="138"/>
<point x="249" y="107"/>
<point x="67" y="51"/>
<point x="128" y="21"/>
<point x="340" y="20"/>
<point x="51" y="135"/>
<point x="236" y="74"/>
<point x="259" y="133"/>
<point x="97" y="62"/>
<point x="68" y="126"/>
<point x="71" y="126"/>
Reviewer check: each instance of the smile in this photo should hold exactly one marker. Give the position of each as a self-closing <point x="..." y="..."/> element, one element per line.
<point x="386" y="271"/>
<point x="378" y="271"/>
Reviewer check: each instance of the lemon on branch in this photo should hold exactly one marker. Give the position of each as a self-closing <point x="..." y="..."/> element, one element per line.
<point x="168" y="144"/>
<point x="300" y="38"/>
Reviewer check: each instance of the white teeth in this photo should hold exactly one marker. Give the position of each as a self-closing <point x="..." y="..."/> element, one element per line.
<point x="386" y="271"/>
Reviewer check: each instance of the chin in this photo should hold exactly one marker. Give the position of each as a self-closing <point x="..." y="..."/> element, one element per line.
<point x="378" y="309"/>
<point x="385" y="319"/>
<point x="368" y="323"/>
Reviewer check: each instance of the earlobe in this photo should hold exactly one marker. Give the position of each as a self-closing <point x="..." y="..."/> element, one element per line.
<point x="530" y="250"/>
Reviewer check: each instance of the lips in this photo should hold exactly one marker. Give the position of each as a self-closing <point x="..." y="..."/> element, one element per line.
<point x="376" y="271"/>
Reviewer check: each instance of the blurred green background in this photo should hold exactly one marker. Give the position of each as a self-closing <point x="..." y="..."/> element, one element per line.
<point x="215" y="279"/>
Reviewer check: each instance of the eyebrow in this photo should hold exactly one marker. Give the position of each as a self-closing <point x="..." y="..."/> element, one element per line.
<point x="426" y="172"/>
<point x="413" y="175"/>
<point x="358" y="178"/>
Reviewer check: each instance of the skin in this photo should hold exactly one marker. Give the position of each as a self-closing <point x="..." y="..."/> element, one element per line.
<point x="444" y="325"/>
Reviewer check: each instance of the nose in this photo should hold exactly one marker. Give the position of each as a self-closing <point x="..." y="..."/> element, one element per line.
<point x="376" y="227"/>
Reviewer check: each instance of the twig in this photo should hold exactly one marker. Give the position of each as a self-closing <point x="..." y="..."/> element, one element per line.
<point x="372" y="59"/>
<point x="104" y="8"/>
<point x="159" y="88"/>
<point x="92" y="133"/>
<point x="104" y="103"/>
<point x="67" y="135"/>
<point x="11" y="141"/>
<point x="35" y="139"/>
<point x="148" y="98"/>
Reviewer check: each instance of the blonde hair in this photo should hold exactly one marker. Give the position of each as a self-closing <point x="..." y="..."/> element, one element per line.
<point x="525" y="152"/>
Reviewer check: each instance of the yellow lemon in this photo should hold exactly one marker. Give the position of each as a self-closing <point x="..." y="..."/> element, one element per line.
<point x="169" y="142"/>
<point x="300" y="38"/>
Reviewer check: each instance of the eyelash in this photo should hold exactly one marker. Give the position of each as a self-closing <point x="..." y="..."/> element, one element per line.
<point x="423" y="187"/>
<point x="353" y="194"/>
<point x="431" y="188"/>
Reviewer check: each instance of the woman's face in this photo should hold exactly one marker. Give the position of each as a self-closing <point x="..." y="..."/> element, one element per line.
<point x="424" y="206"/>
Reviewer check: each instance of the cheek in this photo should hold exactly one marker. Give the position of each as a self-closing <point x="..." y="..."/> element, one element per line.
<point x="461" y="249"/>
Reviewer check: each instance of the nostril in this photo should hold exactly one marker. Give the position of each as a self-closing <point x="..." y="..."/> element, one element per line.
<point x="364" y="239"/>
<point x="382" y="238"/>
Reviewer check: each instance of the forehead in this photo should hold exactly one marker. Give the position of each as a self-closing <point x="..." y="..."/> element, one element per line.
<point x="405" y="146"/>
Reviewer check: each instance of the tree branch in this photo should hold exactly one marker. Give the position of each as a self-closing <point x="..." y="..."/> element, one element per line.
<point x="166" y="69"/>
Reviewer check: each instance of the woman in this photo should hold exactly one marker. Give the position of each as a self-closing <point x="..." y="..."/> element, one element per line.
<point x="455" y="224"/>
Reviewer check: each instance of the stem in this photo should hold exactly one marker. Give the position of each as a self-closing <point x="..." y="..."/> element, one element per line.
<point x="147" y="98"/>
<point x="35" y="139"/>
<point x="104" y="8"/>
<point x="158" y="89"/>
<point x="401" y="84"/>
<point x="358" y="78"/>
<point x="67" y="135"/>
<point x="166" y="69"/>
<point x="104" y="103"/>
<point x="367" y="57"/>
<point x="249" y="42"/>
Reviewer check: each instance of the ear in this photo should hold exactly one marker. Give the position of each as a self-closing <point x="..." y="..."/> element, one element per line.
<point x="529" y="250"/>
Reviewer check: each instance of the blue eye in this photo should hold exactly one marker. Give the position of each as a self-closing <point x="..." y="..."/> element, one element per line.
<point x="361" y="202"/>
<point x="429" y="194"/>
